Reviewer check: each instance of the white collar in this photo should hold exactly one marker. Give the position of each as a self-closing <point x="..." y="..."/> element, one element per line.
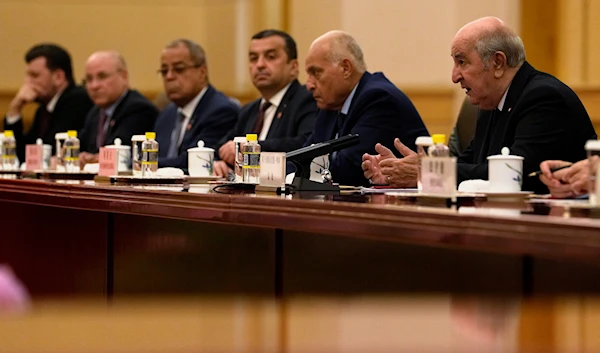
<point x="188" y="109"/>
<point x="501" y="104"/>
<point x="52" y="104"/>
<point x="348" y="101"/>
<point x="277" y="97"/>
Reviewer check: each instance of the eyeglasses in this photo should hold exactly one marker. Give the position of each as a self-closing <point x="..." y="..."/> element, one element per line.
<point x="177" y="70"/>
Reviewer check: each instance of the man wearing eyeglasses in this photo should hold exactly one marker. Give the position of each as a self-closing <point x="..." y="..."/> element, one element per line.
<point x="119" y="112"/>
<point x="62" y="104"/>
<point x="198" y="111"/>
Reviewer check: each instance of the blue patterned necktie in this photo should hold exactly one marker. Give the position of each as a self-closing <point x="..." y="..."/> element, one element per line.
<point x="174" y="145"/>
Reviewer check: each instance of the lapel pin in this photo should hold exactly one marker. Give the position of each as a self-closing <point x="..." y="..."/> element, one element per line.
<point x="279" y="115"/>
<point x="509" y="109"/>
<point x="112" y="123"/>
<point x="188" y="127"/>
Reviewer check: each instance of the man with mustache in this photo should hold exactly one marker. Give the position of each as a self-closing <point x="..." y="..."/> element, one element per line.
<point x="198" y="111"/>
<point x="62" y="105"/>
<point x="532" y="113"/>
<point x="284" y="116"/>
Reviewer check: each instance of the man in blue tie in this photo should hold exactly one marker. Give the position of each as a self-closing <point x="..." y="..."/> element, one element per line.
<point x="197" y="112"/>
<point x="354" y="101"/>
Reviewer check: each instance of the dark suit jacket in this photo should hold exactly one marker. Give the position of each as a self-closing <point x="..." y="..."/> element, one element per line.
<point x="542" y="119"/>
<point x="134" y="115"/>
<point x="379" y="112"/>
<point x="293" y="122"/>
<point x="69" y="114"/>
<point x="213" y="117"/>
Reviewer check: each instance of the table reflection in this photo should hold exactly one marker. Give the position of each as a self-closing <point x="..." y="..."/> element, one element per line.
<point x="306" y="324"/>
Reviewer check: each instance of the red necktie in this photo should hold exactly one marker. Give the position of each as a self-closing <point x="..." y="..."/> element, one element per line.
<point x="260" y="120"/>
<point x="100" y="130"/>
<point x="44" y="118"/>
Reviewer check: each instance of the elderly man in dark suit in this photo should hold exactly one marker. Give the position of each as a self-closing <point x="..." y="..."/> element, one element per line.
<point x="354" y="101"/>
<point x="119" y="111"/>
<point x="62" y="105"/>
<point x="284" y="116"/>
<point x="533" y="113"/>
<point x="198" y="111"/>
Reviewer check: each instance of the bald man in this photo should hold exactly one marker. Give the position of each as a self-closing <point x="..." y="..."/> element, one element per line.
<point x="532" y="113"/>
<point x="354" y="101"/>
<point x="118" y="110"/>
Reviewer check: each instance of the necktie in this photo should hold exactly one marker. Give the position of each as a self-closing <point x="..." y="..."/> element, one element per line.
<point x="260" y="120"/>
<point x="44" y="118"/>
<point x="338" y="130"/>
<point x="174" y="145"/>
<point x="100" y="131"/>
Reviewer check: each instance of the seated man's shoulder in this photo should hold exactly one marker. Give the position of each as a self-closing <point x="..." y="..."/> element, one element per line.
<point x="135" y="99"/>
<point x="546" y="86"/>
<point x="221" y="102"/>
<point x="76" y="93"/>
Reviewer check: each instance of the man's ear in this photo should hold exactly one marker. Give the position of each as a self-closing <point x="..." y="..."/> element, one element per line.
<point x="295" y="67"/>
<point x="347" y="68"/>
<point x="58" y="76"/>
<point x="499" y="65"/>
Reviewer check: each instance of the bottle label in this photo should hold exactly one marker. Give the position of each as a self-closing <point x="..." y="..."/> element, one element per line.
<point x="9" y="152"/>
<point x="438" y="175"/>
<point x="251" y="160"/>
<point x="71" y="154"/>
<point x="149" y="156"/>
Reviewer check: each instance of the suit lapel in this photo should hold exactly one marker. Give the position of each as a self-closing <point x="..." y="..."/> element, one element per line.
<point x="114" y="119"/>
<point x="280" y="114"/>
<point x="196" y="118"/>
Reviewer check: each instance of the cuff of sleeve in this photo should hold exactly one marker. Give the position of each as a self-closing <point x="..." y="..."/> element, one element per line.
<point x="12" y="119"/>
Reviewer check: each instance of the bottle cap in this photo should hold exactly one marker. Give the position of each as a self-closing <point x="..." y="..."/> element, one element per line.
<point x="424" y="141"/>
<point x="150" y="135"/>
<point x="592" y="145"/>
<point x="239" y="139"/>
<point x="72" y="133"/>
<point x="438" y="138"/>
<point x="9" y="133"/>
<point x="251" y="137"/>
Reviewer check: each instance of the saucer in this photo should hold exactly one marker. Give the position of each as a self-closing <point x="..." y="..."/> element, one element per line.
<point x="506" y="196"/>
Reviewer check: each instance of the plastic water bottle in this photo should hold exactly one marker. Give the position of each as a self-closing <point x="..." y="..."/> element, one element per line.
<point x="71" y="152"/>
<point x="251" y="154"/>
<point x="9" y="151"/>
<point x="149" y="156"/>
<point x="423" y="143"/>
<point x="439" y="149"/>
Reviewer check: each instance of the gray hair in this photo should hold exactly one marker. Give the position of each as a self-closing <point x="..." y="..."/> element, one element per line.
<point x="196" y="52"/>
<point x="343" y="46"/>
<point x="504" y="40"/>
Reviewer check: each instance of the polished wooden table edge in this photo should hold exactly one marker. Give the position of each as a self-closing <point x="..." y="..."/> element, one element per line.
<point x="577" y="238"/>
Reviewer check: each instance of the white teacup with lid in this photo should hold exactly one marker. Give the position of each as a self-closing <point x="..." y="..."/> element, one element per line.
<point x="505" y="172"/>
<point x="200" y="160"/>
<point x="124" y="155"/>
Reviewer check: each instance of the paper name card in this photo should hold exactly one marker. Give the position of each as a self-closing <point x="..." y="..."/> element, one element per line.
<point x="438" y="175"/>
<point x="272" y="169"/>
<point x="34" y="157"/>
<point x="108" y="160"/>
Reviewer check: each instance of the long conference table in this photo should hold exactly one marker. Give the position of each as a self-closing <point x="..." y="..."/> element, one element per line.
<point x="87" y="238"/>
